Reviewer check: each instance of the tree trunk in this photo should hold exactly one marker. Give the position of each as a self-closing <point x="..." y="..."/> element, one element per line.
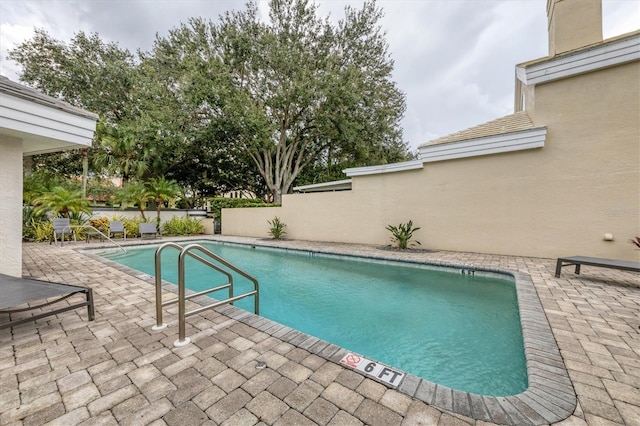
<point x="85" y="172"/>
<point x="28" y="165"/>
<point x="277" y="196"/>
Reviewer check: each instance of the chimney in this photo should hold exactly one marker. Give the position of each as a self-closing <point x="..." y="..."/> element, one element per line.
<point x="573" y="24"/>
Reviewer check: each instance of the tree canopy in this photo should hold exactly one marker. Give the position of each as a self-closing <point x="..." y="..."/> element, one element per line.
<point x="243" y="102"/>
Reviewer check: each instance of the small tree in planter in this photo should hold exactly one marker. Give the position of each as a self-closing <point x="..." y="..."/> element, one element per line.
<point x="402" y="234"/>
<point x="276" y="229"/>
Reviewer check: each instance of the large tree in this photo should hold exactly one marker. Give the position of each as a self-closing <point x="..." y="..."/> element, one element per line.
<point x="197" y="147"/>
<point x="87" y="73"/>
<point x="294" y="91"/>
<point x="306" y="89"/>
<point x="215" y="105"/>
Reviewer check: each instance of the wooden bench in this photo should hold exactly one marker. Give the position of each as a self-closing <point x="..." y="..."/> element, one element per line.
<point x="624" y="265"/>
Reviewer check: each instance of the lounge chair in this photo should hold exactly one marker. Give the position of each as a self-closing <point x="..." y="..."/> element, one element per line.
<point x="20" y="291"/>
<point x="117" y="227"/>
<point x="148" y="229"/>
<point x="61" y="227"/>
<point x="624" y="265"/>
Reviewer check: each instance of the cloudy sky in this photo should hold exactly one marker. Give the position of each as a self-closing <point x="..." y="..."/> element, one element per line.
<point x="454" y="59"/>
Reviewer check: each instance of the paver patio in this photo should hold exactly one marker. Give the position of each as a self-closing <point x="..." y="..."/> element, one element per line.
<point x="115" y="370"/>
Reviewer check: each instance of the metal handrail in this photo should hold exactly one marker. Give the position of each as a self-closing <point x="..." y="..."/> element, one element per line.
<point x="182" y="312"/>
<point x="69" y="227"/>
<point x="158" y="282"/>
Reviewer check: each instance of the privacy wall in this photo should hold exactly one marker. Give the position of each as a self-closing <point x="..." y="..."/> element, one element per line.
<point x="559" y="200"/>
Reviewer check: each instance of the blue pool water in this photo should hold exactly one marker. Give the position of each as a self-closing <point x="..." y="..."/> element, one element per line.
<point x="457" y="330"/>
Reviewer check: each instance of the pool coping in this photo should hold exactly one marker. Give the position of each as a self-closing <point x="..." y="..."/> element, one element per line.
<point x="549" y="397"/>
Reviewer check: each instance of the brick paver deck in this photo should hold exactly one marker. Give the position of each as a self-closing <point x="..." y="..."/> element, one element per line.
<point x="115" y="370"/>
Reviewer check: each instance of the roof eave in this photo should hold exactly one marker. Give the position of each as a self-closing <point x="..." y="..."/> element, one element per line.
<point x="609" y="53"/>
<point x="495" y="144"/>
<point x="336" y="185"/>
<point x="384" y="168"/>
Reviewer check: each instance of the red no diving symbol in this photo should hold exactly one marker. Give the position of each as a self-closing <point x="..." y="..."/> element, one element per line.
<point x="352" y="360"/>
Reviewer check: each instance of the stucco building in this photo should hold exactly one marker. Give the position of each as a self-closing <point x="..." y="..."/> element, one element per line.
<point x="30" y="123"/>
<point x="560" y="176"/>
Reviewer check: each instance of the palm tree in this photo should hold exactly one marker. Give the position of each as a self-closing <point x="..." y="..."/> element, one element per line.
<point x="61" y="202"/>
<point x="121" y="153"/>
<point x="134" y="193"/>
<point x="162" y="190"/>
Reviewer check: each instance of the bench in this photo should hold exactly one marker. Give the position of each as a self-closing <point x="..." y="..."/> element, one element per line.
<point x="624" y="265"/>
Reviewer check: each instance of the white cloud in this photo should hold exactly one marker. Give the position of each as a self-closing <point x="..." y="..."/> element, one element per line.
<point x="620" y="17"/>
<point x="10" y="36"/>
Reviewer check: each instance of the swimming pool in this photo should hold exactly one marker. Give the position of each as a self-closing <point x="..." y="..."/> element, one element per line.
<point x="461" y="331"/>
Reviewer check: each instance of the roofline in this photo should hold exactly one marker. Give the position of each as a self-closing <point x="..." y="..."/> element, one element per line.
<point x="495" y="144"/>
<point x="18" y="90"/>
<point x="384" y="168"/>
<point x="611" y="52"/>
<point x="516" y="118"/>
<point x="324" y="186"/>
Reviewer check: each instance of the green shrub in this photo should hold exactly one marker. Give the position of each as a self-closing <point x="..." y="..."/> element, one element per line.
<point x="77" y="219"/>
<point x="38" y="227"/>
<point x="182" y="226"/>
<point x="37" y="231"/>
<point x="217" y="204"/>
<point x="276" y="229"/>
<point x="29" y="214"/>
<point x="101" y="224"/>
<point x="401" y="235"/>
<point x="35" y="227"/>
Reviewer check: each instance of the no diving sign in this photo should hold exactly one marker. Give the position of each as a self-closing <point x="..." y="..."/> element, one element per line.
<point x="371" y="368"/>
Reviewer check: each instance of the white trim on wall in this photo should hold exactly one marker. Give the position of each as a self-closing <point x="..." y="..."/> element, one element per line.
<point x="384" y="168"/>
<point x="336" y="185"/>
<point x="508" y="142"/>
<point x="590" y="59"/>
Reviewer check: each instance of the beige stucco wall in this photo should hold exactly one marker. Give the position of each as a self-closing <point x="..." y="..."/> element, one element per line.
<point x="10" y="206"/>
<point x="559" y="200"/>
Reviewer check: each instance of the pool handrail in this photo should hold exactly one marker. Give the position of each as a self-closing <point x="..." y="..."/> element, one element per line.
<point x="70" y="227"/>
<point x="158" y="282"/>
<point x="181" y="300"/>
